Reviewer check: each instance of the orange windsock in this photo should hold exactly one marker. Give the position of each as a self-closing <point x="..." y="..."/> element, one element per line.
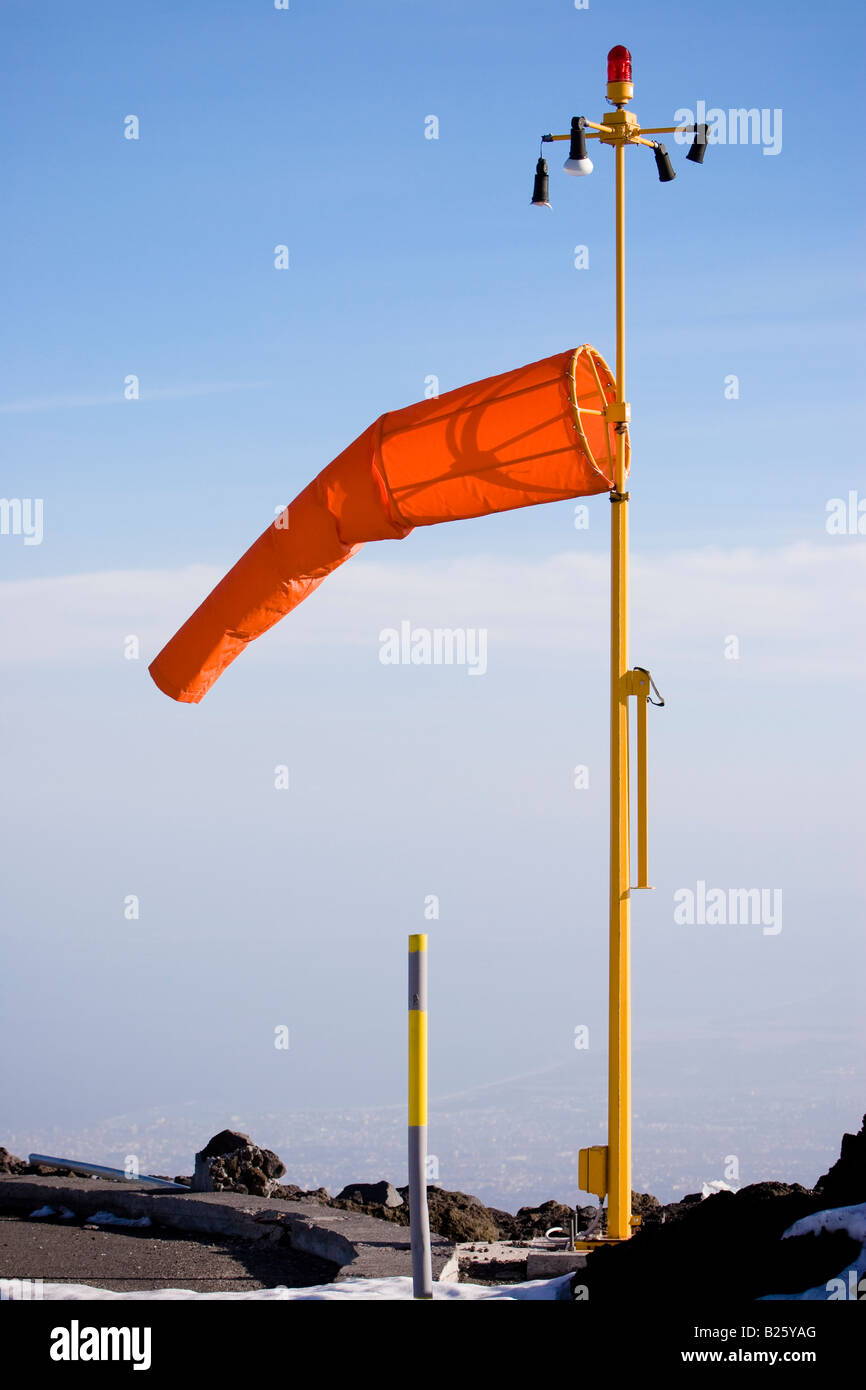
<point x="536" y="434"/>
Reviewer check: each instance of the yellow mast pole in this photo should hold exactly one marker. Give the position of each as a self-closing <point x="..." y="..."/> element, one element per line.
<point x="606" y="1169"/>
<point x="619" y="1005"/>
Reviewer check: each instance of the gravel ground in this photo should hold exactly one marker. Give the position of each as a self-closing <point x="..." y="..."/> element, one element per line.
<point x="127" y="1259"/>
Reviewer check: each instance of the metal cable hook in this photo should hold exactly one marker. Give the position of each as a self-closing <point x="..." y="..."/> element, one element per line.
<point x="661" y="699"/>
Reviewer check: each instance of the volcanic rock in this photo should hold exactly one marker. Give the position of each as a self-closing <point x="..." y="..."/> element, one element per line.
<point x="370" y="1194"/>
<point x="535" y="1221"/>
<point x="230" y="1162"/>
<point x="458" y="1216"/>
<point x="845" y="1184"/>
<point x="728" y="1244"/>
<point x="10" y="1164"/>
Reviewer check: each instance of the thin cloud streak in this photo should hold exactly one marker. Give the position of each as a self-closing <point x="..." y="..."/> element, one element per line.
<point x="793" y="608"/>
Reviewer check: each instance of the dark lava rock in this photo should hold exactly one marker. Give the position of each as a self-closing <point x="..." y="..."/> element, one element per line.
<point x="845" y="1184"/>
<point x="228" y="1141"/>
<point x="463" y="1218"/>
<point x="290" y="1192"/>
<point x="399" y="1216"/>
<point x="371" y="1194"/>
<point x="458" y="1216"/>
<point x="804" y="1262"/>
<point x="505" y="1223"/>
<point x="230" y="1162"/>
<point x="535" y="1221"/>
<point x="648" y="1208"/>
<point x="10" y="1164"/>
<point x="728" y="1245"/>
<point x="317" y="1194"/>
<point x="455" y="1215"/>
<point x="586" y="1217"/>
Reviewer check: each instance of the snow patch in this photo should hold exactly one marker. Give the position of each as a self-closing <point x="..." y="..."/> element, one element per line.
<point x="709" y="1189"/>
<point x="108" y="1218"/>
<point x="851" y="1220"/>
<point x="350" y="1289"/>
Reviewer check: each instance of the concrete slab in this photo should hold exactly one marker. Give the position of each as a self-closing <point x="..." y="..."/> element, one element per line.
<point x="133" y="1259"/>
<point x="363" y="1246"/>
<point x="546" y="1263"/>
<point x="491" y="1261"/>
<point x="505" y="1262"/>
<point x="548" y="1259"/>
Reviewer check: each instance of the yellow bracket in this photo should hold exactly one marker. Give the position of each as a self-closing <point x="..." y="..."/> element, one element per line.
<point x="618" y="127"/>
<point x="640" y="683"/>
<point x="622" y="127"/>
<point x="617" y="412"/>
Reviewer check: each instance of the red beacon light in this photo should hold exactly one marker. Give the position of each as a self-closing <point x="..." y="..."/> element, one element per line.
<point x="620" y="87"/>
<point x="619" y="64"/>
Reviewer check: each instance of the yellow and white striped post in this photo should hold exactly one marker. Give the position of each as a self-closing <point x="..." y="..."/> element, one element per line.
<point x="419" y="1219"/>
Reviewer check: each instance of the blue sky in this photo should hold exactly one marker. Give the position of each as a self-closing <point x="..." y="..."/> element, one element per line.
<point x="408" y="256"/>
<point x="411" y="257"/>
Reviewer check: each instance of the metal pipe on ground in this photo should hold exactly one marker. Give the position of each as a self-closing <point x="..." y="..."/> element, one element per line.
<point x="96" y="1170"/>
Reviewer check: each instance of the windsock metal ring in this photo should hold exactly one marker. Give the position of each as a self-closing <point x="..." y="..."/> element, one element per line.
<point x="604" y="380"/>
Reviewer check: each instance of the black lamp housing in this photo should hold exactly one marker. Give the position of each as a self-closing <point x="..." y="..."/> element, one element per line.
<point x="577" y="145"/>
<point x="663" y="164"/>
<point x="698" y="147"/>
<point x="541" y="187"/>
